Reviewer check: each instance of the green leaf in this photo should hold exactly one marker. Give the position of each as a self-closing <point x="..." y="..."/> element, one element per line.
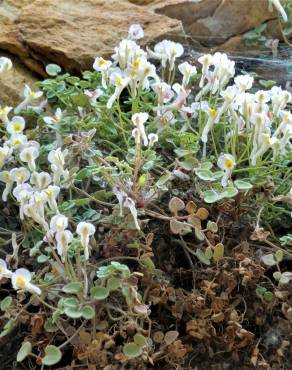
<point x="267" y="83"/>
<point x="24" y="351"/>
<point x="8" y="327"/>
<point x="242" y="185"/>
<point x="43" y="258"/>
<point x="131" y="350"/>
<point x="6" y="303"/>
<point x="99" y="292"/>
<point x="212" y="226"/>
<point x="279" y="255"/>
<point x="211" y="196"/>
<point x="140" y="340"/>
<point x="73" y="312"/>
<point x="268" y="296"/>
<point x="218" y="252"/>
<point x="53" y="355"/>
<point x="80" y="100"/>
<point x="113" y="283"/>
<point x="206" y="175"/>
<point x="88" y="312"/>
<point x="53" y="69"/>
<point x="74" y="287"/>
<point x="229" y="192"/>
<point x="269" y="260"/>
<point x="71" y="302"/>
<point x="202" y="257"/>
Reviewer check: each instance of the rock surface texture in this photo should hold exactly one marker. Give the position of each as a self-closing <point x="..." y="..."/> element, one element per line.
<point x="72" y="32"/>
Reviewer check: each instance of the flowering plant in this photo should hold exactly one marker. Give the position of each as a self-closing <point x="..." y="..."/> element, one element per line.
<point x="88" y="164"/>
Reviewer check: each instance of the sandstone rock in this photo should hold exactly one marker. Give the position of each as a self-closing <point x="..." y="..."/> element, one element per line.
<point x="212" y="22"/>
<point x="230" y="18"/>
<point x="71" y="33"/>
<point x="13" y="81"/>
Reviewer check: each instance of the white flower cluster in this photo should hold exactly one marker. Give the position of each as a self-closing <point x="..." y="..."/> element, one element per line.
<point x="35" y="191"/>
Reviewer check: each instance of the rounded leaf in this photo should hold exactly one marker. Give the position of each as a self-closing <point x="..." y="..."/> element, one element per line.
<point x="218" y="252"/>
<point x="88" y="312"/>
<point x="175" y="204"/>
<point x="73" y="312"/>
<point x="99" y="292"/>
<point x="170" y="336"/>
<point x="269" y="260"/>
<point x="242" y="185"/>
<point x="229" y="192"/>
<point x="140" y="340"/>
<point x="74" y="287"/>
<point x="131" y="350"/>
<point x="6" y="303"/>
<point x="202" y="257"/>
<point x="53" y="69"/>
<point x="24" y="351"/>
<point x="211" y="196"/>
<point x="279" y="255"/>
<point x="113" y="283"/>
<point x="53" y="355"/>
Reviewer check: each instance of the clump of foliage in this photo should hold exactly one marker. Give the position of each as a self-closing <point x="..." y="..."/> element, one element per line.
<point x="141" y="216"/>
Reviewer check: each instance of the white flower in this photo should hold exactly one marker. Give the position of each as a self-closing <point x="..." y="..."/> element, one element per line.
<point x="126" y="52"/>
<point x="277" y="4"/>
<point x="163" y="91"/>
<point x="4" y="114"/>
<point x="135" y="32"/>
<point x="206" y="60"/>
<point x="102" y="65"/>
<point x="57" y="160"/>
<point x="52" y="192"/>
<point x="243" y="82"/>
<point x="63" y="239"/>
<point x="6" y="178"/>
<point x="5" y="153"/>
<point x="29" y="96"/>
<point x="120" y="82"/>
<point x="58" y="223"/>
<point x="153" y="138"/>
<point x="164" y="119"/>
<point x="227" y="163"/>
<point x="93" y="95"/>
<point x="187" y="70"/>
<point x="167" y="51"/>
<point x="5" y="64"/>
<point x="212" y="114"/>
<point x="20" y="175"/>
<point x="55" y="118"/>
<point x="265" y="143"/>
<point x="262" y="97"/>
<point x="17" y="141"/>
<point x="21" y="281"/>
<point x="279" y="98"/>
<point x="85" y="230"/>
<point x="28" y="155"/>
<point x="138" y="120"/>
<point x="41" y="180"/>
<point x="4" y="272"/>
<point x="22" y="193"/>
<point x="16" y="126"/>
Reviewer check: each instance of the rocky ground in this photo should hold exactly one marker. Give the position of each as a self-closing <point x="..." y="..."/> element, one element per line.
<point x="72" y="32"/>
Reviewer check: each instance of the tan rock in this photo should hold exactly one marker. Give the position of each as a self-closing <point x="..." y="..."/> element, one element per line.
<point x="230" y="18"/>
<point x="71" y="33"/>
<point x="13" y="81"/>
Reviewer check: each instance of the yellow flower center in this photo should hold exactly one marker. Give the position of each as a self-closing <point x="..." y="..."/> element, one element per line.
<point x="17" y="142"/>
<point x="212" y="112"/>
<point x="20" y="282"/>
<point x="228" y="163"/>
<point x="17" y="126"/>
